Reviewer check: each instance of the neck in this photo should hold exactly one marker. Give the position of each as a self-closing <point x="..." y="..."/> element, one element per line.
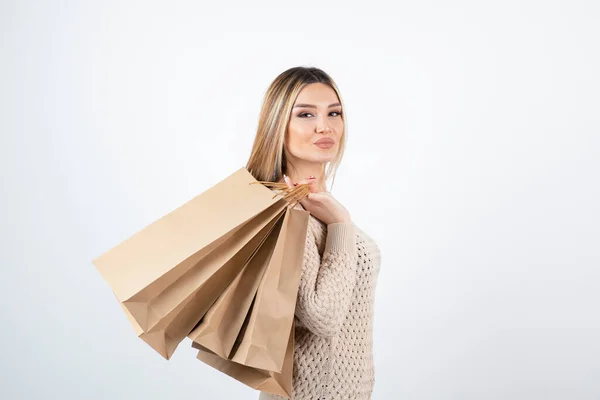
<point x="301" y="170"/>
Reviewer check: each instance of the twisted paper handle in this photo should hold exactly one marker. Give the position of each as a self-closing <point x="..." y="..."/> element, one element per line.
<point x="290" y="194"/>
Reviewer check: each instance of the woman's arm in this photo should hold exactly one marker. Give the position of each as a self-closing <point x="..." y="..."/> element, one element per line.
<point x="327" y="283"/>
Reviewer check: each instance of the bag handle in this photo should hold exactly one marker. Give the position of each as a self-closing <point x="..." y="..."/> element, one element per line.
<point x="290" y="194"/>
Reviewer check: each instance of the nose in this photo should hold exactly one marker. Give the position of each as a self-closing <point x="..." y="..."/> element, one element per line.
<point x="323" y="126"/>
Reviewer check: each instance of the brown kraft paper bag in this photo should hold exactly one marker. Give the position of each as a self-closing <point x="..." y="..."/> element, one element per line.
<point x="264" y="341"/>
<point x="263" y="380"/>
<point x="223" y="322"/>
<point x="174" y="326"/>
<point x="157" y="273"/>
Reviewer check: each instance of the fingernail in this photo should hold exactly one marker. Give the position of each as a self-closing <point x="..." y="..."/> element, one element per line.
<point x="284" y="176"/>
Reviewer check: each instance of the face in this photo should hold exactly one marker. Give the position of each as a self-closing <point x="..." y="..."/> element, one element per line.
<point x="316" y="125"/>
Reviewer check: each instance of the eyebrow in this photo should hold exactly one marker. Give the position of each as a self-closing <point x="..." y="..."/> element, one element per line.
<point x="313" y="106"/>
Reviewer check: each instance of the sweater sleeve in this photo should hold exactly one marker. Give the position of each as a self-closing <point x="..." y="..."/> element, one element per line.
<point x="327" y="283"/>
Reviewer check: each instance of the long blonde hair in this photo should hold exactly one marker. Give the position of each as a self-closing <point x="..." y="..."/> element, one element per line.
<point x="268" y="160"/>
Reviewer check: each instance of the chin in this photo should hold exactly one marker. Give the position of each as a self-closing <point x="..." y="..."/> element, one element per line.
<point x="322" y="160"/>
<point x="321" y="156"/>
<point x="326" y="156"/>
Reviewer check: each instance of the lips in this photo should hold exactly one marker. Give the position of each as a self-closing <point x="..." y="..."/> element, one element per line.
<point x="325" y="142"/>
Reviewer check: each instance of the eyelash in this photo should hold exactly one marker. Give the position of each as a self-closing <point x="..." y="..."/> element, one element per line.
<point x="304" y="113"/>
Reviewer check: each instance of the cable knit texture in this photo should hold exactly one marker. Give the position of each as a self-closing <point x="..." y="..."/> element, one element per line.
<point x="333" y="354"/>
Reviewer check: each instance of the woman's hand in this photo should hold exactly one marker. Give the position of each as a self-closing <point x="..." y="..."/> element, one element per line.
<point x="322" y="205"/>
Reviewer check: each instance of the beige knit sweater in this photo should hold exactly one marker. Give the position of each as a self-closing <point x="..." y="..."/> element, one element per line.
<point x="333" y="354"/>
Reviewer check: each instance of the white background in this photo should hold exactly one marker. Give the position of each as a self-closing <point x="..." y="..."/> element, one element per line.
<point x="473" y="160"/>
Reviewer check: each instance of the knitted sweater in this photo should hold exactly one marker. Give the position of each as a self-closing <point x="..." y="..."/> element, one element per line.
<point x="333" y="353"/>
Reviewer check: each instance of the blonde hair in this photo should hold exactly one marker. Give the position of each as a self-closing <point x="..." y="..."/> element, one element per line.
<point x="268" y="161"/>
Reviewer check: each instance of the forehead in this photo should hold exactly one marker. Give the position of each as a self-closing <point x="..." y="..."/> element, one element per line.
<point x="319" y="94"/>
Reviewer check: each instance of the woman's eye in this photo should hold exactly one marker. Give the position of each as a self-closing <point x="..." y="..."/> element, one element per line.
<point x="333" y="112"/>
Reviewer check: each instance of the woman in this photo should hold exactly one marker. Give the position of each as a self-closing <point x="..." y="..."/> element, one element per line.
<point x="301" y="131"/>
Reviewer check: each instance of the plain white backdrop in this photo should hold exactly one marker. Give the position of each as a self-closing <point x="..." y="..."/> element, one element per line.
<point x="472" y="160"/>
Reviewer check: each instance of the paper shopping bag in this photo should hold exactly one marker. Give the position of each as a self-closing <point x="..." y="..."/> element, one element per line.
<point x="222" y="324"/>
<point x="157" y="273"/>
<point x="263" y="380"/>
<point x="179" y="321"/>
<point x="264" y="341"/>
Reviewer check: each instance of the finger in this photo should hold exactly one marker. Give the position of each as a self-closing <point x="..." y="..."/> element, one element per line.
<point x="305" y="201"/>
<point x="288" y="181"/>
<point x="314" y="187"/>
<point x="312" y="184"/>
<point x="303" y="181"/>
<point x="314" y="198"/>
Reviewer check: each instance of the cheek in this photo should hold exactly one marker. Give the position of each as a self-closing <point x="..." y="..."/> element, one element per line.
<point x="298" y="136"/>
<point x="339" y="127"/>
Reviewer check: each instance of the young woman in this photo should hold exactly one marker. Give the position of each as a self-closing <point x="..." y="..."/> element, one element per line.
<point x="300" y="139"/>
